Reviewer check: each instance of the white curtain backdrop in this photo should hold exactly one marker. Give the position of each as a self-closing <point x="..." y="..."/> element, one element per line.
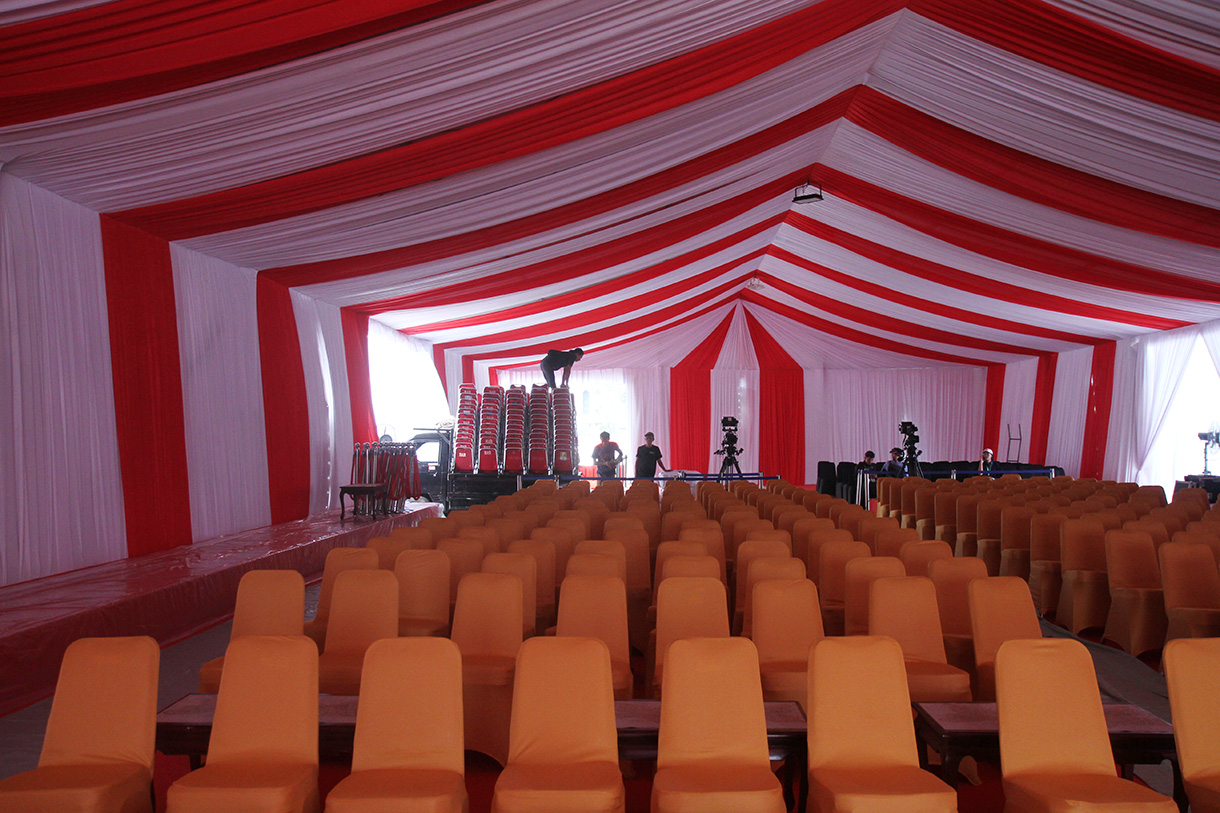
<point x="406" y="390"/>
<point x="222" y="394"/>
<point x="59" y="457"/>
<point x="1120" y="440"/>
<point x="1073" y="371"/>
<point x="1017" y="411"/>
<point x="734" y="393"/>
<point x="320" y="330"/>
<point x="1162" y="360"/>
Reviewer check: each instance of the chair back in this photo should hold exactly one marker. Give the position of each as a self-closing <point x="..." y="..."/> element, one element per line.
<point x="834" y="557"/>
<point x="1044" y="531"/>
<point x="1189" y="576"/>
<point x="674" y="548"/>
<point x="1082" y="544"/>
<point x="951" y="578"/>
<point x="489" y="615"/>
<point x="787" y="620"/>
<point x="1001" y="609"/>
<point x="858" y="580"/>
<point x="595" y="607"/>
<point x="523" y="566"/>
<point x="904" y="609"/>
<point x="1194" y="685"/>
<point x="639" y="560"/>
<point x="916" y="556"/>
<point x="365" y="609"/>
<point x="1067" y="732"/>
<point x="269" y="602"/>
<point x="420" y="728"/>
<point x="749" y="551"/>
<point x="465" y="556"/>
<point x="872" y="527"/>
<point x="801" y="531"/>
<point x="690" y="566"/>
<point x="419" y="538"/>
<point x="713" y="707"/>
<point x="337" y="561"/>
<point x="891" y="541"/>
<point x="543" y="554"/>
<point x="563" y="703"/>
<point x="1131" y="560"/>
<point x="388" y="548"/>
<point x="105" y="704"/>
<point x="564" y="542"/>
<point x="1015" y="526"/>
<point x="596" y="564"/>
<point x="764" y="568"/>
<point x="267" y="706"/>
<point x="712" y="540"/>
<point x="488" y="537"/>
<point x="690" y="608"/>
<point x="423" y="586"/>
<point x="859" y="709"/>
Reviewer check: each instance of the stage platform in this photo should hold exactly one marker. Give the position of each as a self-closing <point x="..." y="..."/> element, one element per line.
<point x="168" y="595"/>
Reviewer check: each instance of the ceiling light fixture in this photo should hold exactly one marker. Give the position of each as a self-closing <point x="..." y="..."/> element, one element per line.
<point x="808" y="193"/>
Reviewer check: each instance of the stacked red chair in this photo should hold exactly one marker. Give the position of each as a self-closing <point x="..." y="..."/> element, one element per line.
<point x="564" y="443"/>
<point x="464" y="429"/>
<point x="539" y="430"/>
<point x="514" y="430"/>
<point x="491" y="414"/>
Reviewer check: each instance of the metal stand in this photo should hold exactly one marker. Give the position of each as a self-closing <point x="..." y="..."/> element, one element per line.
<point x="1010" y="457"/>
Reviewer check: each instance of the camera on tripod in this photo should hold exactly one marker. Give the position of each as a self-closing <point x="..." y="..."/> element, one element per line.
<point x="728" y="446"/>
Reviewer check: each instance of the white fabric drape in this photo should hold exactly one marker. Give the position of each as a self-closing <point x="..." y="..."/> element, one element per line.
<point x="59" y="456"/>
<point x="1124" y="403"/>
<point x="406" y="390"/>
<point x="734" y="393"/>
<point x="1017" y="411"/>
<point x="1189" y="28"/>
<point x="1162" y="360"/>
<point x="222" y="394"/>
<point x="1069" y="407"/>
<point x="320" y="330"/>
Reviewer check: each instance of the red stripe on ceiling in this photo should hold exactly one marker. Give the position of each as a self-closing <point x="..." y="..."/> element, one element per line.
<point x="285" y="402"/>
<point x="892" y="294"/>
<point x="601" y="335"/>
<point x="994" y="406"/>
<point x="1044" y="395"/>
<point x="1019" y="250"/>
<point x="1036" y="179"/>
<point x="781" y="407"/>
<point x="690" y="402"/>
<point x="1097" y="413"/>
<point x="890" y="323"/>
<point x="149" y="420"/>
<point x="1059" y="39"/>
<point x="580" y="114"/>
<point x="133" y="49"/>
<point x="858" y="336"/>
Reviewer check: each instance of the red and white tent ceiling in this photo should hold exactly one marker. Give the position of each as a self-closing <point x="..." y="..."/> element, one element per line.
<point x="1003" y="178"/>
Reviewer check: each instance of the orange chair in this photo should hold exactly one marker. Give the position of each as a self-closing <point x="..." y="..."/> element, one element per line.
<point x="1001" y="609"/>
<point x="833" y="587"/>
<point x="596" y="607"/>
<point x="365" y="610"/>
<point x="687" y="608"/>
<point x="905" y="609"/>
<point x="423" y="593"/>
<point x="408" y="751"/>
<point x="990" y="528"/>
<point x="523" y="566"/>
<point x="925" y="512"/>
<point x="487" y="627"/>
<point x="801" y="530"/>
<point x="1191" y="672"/>
<point x="465" y="556"/>
<point x="814" y="542"/>
<point x="1192" y="590"/>
<point x="1045" y="565"/>
<point x="916" y="556"/>
<point x="951" y="578"/>
<point x="1155" y="529"/>
<point x="712" y="751"/>
<point x="1137" y="620"/>
<point x="858" y="578"/>
<point x="763" y="568"/>
<point x="97" y="753"/>
<point x="690" y="566"/>
<point x="787" y="622"/>
<point x="967" y="525"/>
<point x="563" y="747"/>
<point x="891" y="541"/>
<point x="861" y="737"/>
<point x="595" y="564"/>
<point x="440" y="527"/>
<point x="419" y="538"/>
<point x="543" y="553"/>
<point x="388" y="548"/>
<point x="263" y="751"/>
<point x="337" y="561"/>
<point x="1054" y="747"/>
<point x="489" y="537"/>
<point x="871" y="527"/>
<point x="945" y="513"/>
<point x="604" y="547"/>
<point x="1014" y="541"/>
<point x="673" y="548"/>
<point x="269" y="602"/>
<point x="564" y="542"/>
<point x="1084" y="597"/>
<point x="712" y="540"/>
<point x="750" y="550"/>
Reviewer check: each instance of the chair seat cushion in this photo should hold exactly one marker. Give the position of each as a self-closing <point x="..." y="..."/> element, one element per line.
<point x="421" y="791"/>
<point x="55" y="788"/>
<point x="586" y="786"/>
<point x="932" y="682"/>
<point x="897" y="789"/>
<point x="488" y="670"/>
<point x="717" y="789"/>
<point x="1056" y="793"/>
<point x="247" y="787"/>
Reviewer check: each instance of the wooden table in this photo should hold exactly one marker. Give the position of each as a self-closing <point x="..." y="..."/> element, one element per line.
<point x="955" y="730"/>
<point x="373" y="491"/>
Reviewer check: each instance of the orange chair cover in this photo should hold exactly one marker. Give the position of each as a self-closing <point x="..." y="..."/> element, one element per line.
<point x="891" y="541"/>
<point x="1192" y="671"/>
<point x="263" y="752"/>
<point x="337" y="561"/>
<point x="787" y="622"/>
<point x="365" y="609"/>
<point x="97" y="753"/>
<point x="543" y="553"/>
<point x="596" y="607"/>
<point x="688" y="608"/>
<point x="1192" y="590"/>
<point x="1084" y="597"/>
<point x="712" y="749"/>
<point x="858" y="580"/>
<point x="423" y="593"/>
<point x="269" y="602"/>
<point x="1001" y="609"/>
<point x="951" y="577"/>
<point x="523" y="566"/>
<point x="833" y="559"/>
<point x="408" y="752"/>
<point x="465" y="556"/>
<point x="1045" y="565"/>
<point x="761" y="569"/>
<point x="905" y="609"/>
<point x="1015" y="524"/>
<point x="916" y="556"/>
<point x="420" y="538"/>
<point x="1137" y="620"/>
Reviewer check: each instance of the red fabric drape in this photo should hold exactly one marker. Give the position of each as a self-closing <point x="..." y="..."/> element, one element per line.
<point x="1030" y="177"/>
<point x="582" y="113"/>
<point x="1097" y="415"/>
<point x="130" y="49"/>
<point x="359" y="386"/>
<point x="1053" y="36"/>
<point x="149" y="419"/>
<point x="1021" y="250"/>
<point x="1044" y="393"/>
<point x="285" y="403"/>
<point x="781" y="407"/>
<point x="690" y="403"/>
<point x="993" y="406"/>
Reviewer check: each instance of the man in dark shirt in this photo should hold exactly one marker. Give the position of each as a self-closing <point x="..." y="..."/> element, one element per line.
<point x="559" y="360"/>
<point x="893" y="467"/>
<point x="647" y="458"/>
